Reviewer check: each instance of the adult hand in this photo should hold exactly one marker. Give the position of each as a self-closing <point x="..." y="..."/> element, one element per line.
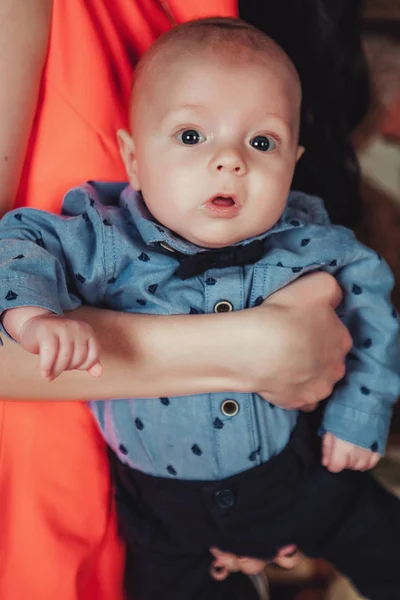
<point x="225" y="562"/>
<point x="310" y="343"/>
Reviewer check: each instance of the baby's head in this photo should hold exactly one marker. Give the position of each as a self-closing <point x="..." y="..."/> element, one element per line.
<point x="214" y="119"/>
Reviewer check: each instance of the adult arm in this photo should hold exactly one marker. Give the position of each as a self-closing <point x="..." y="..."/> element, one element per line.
<point x="24" y="34"/>
<point x="292" y="351"/>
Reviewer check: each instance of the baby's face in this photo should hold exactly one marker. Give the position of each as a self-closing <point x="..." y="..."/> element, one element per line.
<point x="215" y="147"/>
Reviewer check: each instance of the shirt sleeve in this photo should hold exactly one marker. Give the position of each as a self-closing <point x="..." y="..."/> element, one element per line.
<point x="360" y="408"/>
<point x="52" y="262"/>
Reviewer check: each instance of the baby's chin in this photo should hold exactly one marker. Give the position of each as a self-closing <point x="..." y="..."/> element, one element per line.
<point x="217" y="233"/>
<point x="221" y="238"/>
<point x="215" y="242"/>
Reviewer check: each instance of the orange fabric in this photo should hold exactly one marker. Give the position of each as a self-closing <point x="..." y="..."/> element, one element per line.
<point x="86" y="89"/>
<point x="58" y="532"/>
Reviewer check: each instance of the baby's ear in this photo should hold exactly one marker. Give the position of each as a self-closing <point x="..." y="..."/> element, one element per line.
<point x="128" y="155"/>
<point x="300" y="152"/>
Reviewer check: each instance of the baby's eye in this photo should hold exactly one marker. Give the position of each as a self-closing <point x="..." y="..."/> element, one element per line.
<point x="190" y="137"/>
<point x="264" y="143"/>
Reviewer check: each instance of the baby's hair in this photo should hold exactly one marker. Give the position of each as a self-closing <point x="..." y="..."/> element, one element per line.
<point x="219" y="33"/>
<point x="231" y="39"/>
<point x="323" y="40"/>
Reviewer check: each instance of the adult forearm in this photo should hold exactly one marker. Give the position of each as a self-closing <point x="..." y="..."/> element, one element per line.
<point x="291" y="350"/>
<point x="143" y="356"/>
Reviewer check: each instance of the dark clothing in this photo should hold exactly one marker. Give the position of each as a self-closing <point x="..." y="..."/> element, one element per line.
<point x="170" y="524"/>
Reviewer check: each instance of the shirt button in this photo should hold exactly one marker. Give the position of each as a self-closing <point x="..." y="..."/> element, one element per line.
<point x="223" y="306"/>
<point x="167" y="247"/>
<point x="224" y="498"/>
<point x="230" y="408"/>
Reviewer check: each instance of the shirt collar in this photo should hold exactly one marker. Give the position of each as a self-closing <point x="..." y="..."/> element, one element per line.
<point x="153" y="232"/>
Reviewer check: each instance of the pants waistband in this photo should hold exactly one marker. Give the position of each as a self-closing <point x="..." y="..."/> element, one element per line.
<point x="282" y="468"/>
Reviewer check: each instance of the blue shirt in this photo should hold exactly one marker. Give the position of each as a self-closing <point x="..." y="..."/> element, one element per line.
<point x="106" y="250"/>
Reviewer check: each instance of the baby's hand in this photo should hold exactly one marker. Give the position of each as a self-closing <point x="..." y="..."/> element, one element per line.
<point x="62" y="345"/>
<point x="338" y="455"/>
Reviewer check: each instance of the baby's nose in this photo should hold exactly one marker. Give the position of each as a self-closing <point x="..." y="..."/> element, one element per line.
<point x="231" y="161"/>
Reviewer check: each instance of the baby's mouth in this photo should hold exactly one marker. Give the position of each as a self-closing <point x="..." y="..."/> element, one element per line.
<point x="223" y="206"/>
<point x="223" y="201"/>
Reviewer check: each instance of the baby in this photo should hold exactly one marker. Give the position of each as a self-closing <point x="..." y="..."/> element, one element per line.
<point x="208" y="223"/>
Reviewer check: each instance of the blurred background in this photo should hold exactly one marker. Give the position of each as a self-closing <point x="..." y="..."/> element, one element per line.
<point x="377" y="144"/>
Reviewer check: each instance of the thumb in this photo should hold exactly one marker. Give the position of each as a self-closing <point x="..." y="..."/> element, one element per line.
<point x="96" y="370"/>
<point x="321" y="287"/>
<point x="315" y="288"/>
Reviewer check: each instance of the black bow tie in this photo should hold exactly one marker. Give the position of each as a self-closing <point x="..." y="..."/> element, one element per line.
<point x="196" y="264"/>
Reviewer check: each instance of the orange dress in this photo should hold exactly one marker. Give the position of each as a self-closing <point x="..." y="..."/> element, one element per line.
<point x="58" y="534"/>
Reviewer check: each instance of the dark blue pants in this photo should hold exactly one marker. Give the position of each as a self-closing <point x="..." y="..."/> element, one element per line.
<point x="170" y="524"/>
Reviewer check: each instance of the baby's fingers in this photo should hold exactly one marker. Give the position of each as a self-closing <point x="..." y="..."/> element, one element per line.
<point x="358" y="464"/>
<point x="288" y="557"/>
<point x="219" y="573"/>
<point x="327" y="448"/>
<point x="337" y="462"/>
<point x="63" y="356"/>
<point x="48" y="350"/>
<point x="55" y="356"/>
<point x="367" y="461"/>
<point x="91" y="363"/>
<point x="96" y="370"/>
<point x="335" y="455"/>
<point x="223" y="564"/>
<point x="251" y="566"/>
<point x="373" y="461"/>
